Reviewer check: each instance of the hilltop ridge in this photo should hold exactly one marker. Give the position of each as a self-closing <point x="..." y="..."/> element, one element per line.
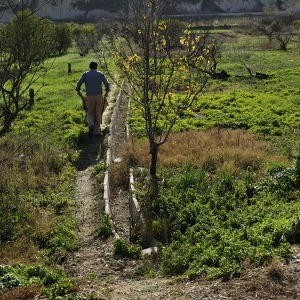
<point x="91" y="10"/>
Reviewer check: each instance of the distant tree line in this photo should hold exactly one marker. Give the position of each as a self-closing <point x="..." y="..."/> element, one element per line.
<point x="108" y="5"/>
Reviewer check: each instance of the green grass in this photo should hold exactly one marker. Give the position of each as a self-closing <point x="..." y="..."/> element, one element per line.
<point x="38" y="173"/>
<point x="212" y="221"/>
<point x="267" y="107"/>
<point x="37" y="207"/>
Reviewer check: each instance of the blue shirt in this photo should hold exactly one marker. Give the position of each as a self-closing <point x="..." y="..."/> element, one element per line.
<point x="93" y="82"/>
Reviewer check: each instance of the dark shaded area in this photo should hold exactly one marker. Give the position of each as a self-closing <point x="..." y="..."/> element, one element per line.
<point x="223" y="75"/>
<point x="90" y="149"/>
<point x="259" y="75"/>
<point x="108" y="5"/>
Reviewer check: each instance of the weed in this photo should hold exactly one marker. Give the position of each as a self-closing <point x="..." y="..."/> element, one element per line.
<point x="104" y="229"/>
<point x="146" y="270"/>
<point x="275" y="272"/>
<point x="53" y="282"/>
<point x="217" y="220"/>
<point x="123" y="249"/>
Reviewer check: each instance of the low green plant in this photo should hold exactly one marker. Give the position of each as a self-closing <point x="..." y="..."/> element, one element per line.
<point x="123" y="249"/>
<point x="104" y="230"/>
<point x="99" y="168"/>
<point x="148" y="269"/>
<point x="217" y="221"/>
<point x="54" y="282"/>
<point x="60" y="289"/>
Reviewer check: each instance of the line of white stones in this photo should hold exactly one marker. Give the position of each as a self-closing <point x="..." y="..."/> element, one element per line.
<point x="106" y="192"/>
<point x="135" y="210"/>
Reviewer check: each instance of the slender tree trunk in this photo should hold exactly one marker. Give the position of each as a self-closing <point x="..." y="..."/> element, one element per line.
<point x="153" y="170"/>
<point x="8" y="119"/>
<point x="283" y="45"/>
<point x="154" y="153"/>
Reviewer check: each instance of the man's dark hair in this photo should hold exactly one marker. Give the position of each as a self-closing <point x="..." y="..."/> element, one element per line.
<point x="93" y="65"/>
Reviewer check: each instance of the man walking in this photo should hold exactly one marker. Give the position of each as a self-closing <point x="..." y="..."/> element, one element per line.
<point x="93" y="80"/>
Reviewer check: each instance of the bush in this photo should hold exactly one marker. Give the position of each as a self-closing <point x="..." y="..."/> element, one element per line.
<point x="122" y="248"/>
<point x="55" y="282"/>
<point x="217" y="221"/>
<point x="104" y="230"/>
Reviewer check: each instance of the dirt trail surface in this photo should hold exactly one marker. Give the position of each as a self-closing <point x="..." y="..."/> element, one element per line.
<point x="100" y="275"/>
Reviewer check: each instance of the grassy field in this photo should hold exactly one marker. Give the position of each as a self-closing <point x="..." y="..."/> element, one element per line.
<point x="38" y="157"/>
<point x="230" y="189"/>
<point x="267" y="107"/>
<point x="230" y="193"/>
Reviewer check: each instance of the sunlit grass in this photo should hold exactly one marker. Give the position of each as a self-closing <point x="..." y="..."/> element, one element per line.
<point x="36" y="174"/>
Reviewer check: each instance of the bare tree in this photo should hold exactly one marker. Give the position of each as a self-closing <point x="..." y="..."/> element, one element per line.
<point x="14" y="6"/>
<point x="165" y="81"/>
<point x="25" y="45"/>
<point x="277" y="26"/>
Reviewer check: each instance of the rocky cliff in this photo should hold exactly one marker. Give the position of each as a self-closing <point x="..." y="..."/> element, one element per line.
<point x="89" y="10"/>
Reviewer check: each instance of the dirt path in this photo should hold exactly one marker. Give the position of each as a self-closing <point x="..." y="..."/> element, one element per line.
<point x="94" y="266"/>
<point x="100" y="275"/>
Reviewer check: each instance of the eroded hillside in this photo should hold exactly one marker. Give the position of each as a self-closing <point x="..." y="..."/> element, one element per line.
<point x="91" y="10"/>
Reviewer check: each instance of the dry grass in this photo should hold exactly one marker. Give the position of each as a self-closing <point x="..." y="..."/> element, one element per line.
<point x="28" y="162"/>
<point x="269" y="282"/>
<point x="20" y="251"/>
<point x="32" y="231"/>
<point x="21" y="293"/>
<point x="216" y="149"/>
<point x="28" y="168"/>
<point x="117" y="178"/>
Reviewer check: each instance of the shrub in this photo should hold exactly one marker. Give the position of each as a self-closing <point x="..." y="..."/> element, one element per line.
<point x="55" y="282"/>
<point x="217" y="221"/>
<point x="122" y="248"/>
<point x="104" y="230"/>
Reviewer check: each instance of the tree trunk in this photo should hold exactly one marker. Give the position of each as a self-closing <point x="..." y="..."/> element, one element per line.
<point x="8" y="119"/>
<point x="154" y="153"/>
<point x="283" y="46"/>
<point x="153" y="170"/>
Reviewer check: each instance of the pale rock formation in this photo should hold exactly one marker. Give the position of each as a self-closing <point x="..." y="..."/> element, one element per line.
<point x="62" y="10"/>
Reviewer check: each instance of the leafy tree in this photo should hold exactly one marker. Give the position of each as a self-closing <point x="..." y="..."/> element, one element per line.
<point x="165" y="81"/>
<point x="62" y="38"/>
<point x="25" y="44"/>
<point x="86" y="37"/>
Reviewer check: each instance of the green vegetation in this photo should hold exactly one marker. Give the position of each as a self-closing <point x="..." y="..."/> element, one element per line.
<point x="104" y="230"/>
<point x="228" y="198"/>
<point x="124" y="249"/>
<point x="55" y="281"/>
<point x="230" y="174"/>
<point x="38" y="159"/>
<point x="267" y="107"/>
<point x="37" y="199"/>
<point x="217" y="223"/>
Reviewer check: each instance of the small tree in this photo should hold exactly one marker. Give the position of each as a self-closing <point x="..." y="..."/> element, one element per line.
<point x="277" y="26"/>
<point x="62" y="38"/>
<point x="165" y="81"/>
<point x="86" y="37"/>
<point x="25" y="44"/>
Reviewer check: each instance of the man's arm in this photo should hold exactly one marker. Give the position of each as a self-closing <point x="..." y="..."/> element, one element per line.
<point x="79" y="83"/>
<point x="107" y="85"/>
